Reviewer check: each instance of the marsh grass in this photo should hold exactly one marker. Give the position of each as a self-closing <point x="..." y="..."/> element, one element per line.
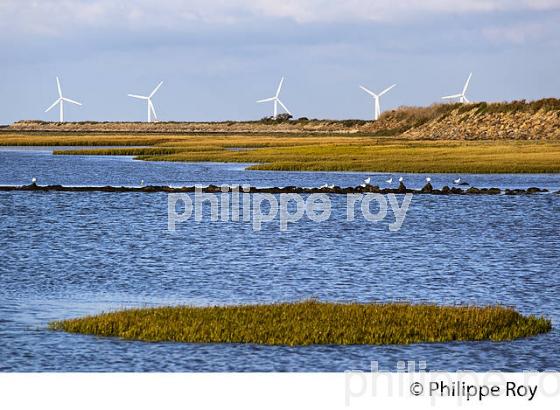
<point x="327" y="152"/>
<point x="371" y="155"/>
<point x="80" y="139"/>
<point x="419" y="157"/>
<point x="311" y="322"/>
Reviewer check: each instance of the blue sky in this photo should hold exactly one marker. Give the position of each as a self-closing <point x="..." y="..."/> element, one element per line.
<point x="218" y="57"/>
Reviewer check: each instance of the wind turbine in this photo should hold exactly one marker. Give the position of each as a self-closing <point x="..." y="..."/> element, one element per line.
<point x="151" y="109"/>
<point x="463" y="96"/>
<point x="276" y="100"/>
<point x="60" y="100"/>
<point x="377" y="111"/>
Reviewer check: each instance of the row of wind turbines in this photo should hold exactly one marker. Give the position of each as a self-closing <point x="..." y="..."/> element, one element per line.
<point x="152" y="116"/>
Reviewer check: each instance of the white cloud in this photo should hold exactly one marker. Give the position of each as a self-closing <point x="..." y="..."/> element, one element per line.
<point x="391" y="10"/>
<point x="54" y="16"/>
<point x="519" y="33"/>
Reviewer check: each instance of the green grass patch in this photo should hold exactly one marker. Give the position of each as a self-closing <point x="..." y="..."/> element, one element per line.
<point x="310" y="323"/>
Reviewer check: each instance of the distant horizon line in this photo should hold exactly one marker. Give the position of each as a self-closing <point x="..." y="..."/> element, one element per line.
<point x="293" y="118"/>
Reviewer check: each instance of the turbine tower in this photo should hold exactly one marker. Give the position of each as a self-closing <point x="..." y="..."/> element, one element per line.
<point x="463" y="96"/>
<point x="377" y="108"/>
<point x="60" y="101"/>
<point x="276" y="100"/>
<point x="151" y="109"/>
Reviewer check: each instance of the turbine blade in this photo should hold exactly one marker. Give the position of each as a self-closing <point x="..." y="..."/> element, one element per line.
<point x="152" y="108"/>
<point x="156" y="89"/>
<point x="467" y="84"/>
<point x="283" y="106"/>
<point x="386" y="90"/>
<point x="448" y="97"/>
<point x="53" y="105"/>
<point x="466" y="99"/>
<point x="279" y="87"/>
<point x="266" y="100"/>
<point x="59" y="88"/>
<point x="138" y="96"/>
<point x="368" y="91"/>
<point x="71" y="101"/>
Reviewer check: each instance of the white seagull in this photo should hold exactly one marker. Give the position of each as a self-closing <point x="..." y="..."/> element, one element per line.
<point x="428" y="179"/>
<point x="390" y="180"/>
<point x="367" y="180"/>
<point x="457" y="181"/>
<point x="401" y="179"/>
<point x="33" y="180"/>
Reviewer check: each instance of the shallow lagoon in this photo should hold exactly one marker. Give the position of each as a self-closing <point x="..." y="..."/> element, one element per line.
<point x="69" y="254"/>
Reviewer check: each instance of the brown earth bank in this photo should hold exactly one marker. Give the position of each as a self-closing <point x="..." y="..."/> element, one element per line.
<point x="517" y="120"/>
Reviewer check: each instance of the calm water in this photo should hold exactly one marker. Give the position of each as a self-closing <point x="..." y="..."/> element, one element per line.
<point x="69" y="254"/>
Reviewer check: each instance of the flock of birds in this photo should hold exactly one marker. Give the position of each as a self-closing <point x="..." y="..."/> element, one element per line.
<point x="457" y="181"/>
<point x="389" y="181"/>
<point x="366" y="182"/>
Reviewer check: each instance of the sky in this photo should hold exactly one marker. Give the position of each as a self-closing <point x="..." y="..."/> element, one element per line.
<point x="217" y="57"/>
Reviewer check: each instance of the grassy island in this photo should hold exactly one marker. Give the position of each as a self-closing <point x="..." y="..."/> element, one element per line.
<point x="354" y="154"/>
<point x="311" y="322"/>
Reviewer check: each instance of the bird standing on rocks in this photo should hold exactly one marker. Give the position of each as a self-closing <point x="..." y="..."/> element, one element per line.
<point x="428" y="187"/>
<point x="390" y="180"/>
<point x="402" y="187"/>
<point x="367" y="180"/>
